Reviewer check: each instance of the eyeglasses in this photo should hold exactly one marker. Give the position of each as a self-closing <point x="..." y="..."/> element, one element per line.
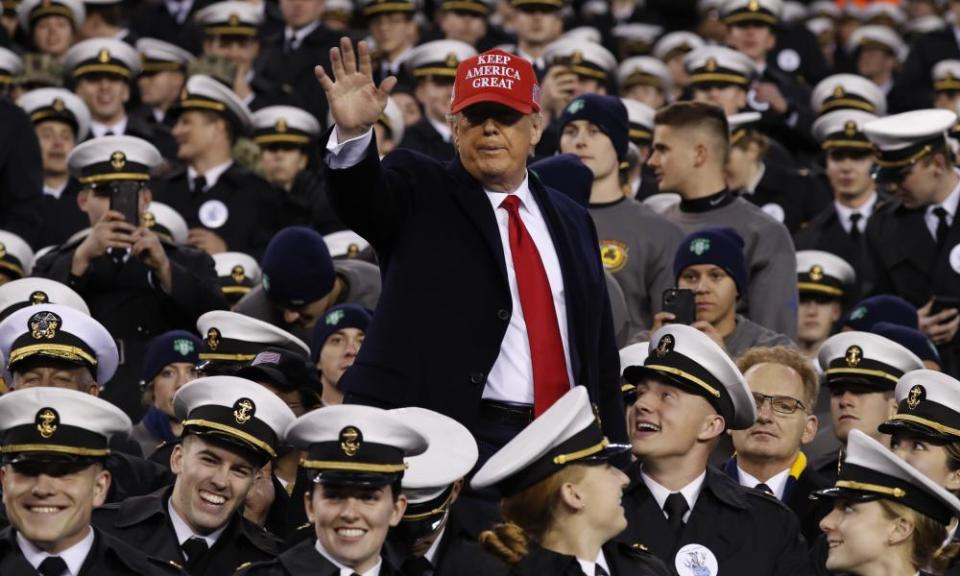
<point x="779" y="404"/>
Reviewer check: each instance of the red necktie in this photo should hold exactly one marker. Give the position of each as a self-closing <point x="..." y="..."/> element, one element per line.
<point x="546" y="347"/>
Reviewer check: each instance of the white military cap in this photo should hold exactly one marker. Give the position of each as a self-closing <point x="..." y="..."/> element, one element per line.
<point x="676" y="43"/>
<point x="740" y="124"/>
<point x="451" y="454"/>
<point x="58" y="333"/>
<point x="57" y="104"/>
<point x="345" y="244"/>
<point x="824" y="29"/>
<point x="661" y="201"/>
<point x="478" y="7"/>
<point x="371" y="8"/>
<point x="235" y="410"/>
<point x="903" y="139"/>
<point x="793" y="12"/>
<point x="872" y="471"/>
<point x="641" y="121"/>
<point x="160" y="56"/>
<point x="706" y="6"/>
<point x="946" y="76"/>
<point x="49" y="423"/>
<point x="588" y="33"/>
<point x="644" y="70"/>
<point x="204" y="93"/>
<point x="392" y="120"/>
<point x="843" y="128"/>
<point x="865" y="359"/>
<point x="924" y="24"/>
<point x="882" y="14"/>
<point x="842" y="91"/>
<point x="438" y="58"/>
<point x="165" y="222"/>
<point x="719" y="65"/>
<point x="766" y="12"/>
<point x="353" y="444"/>
<point x="16" y="256"/>
<point x="284" y="126"/>
<point x="877" y="36"/>
<point x="687" y="358"/>
<point x="825" y="8"/>
<point x="238" y="273"/>
<point x="567" y="433"/>
<point x="636" y="37"/>
<point x="114" y="158"/>
<point x="632" y="355"/>
<point x="928" y="405"/>
<point x="584" y="58"/>
<point x="233" y="338"/>
<point x="31" y="291"/>
<point x="10" y="65"/>
<point x="338" y="10"/>
<point x="101" y="56"/>
<point x="230" y="18"/>
<point x="32" y="10"/>
<point x="820" y="272"/>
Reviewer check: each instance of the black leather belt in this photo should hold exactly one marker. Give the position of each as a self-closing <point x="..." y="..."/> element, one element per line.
<point x="506" y="413"/>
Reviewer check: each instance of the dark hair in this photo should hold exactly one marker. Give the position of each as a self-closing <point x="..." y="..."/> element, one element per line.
<point x="700" y="116"/>
<point x="353" y="489"/>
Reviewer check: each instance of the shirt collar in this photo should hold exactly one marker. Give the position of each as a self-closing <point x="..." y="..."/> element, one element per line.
<point x="431" y="554"/>
<point x="442" y="128"/>
<point x="777" y="483"/>
<point x="346" y="570"/>
<point x="522" y="192"/>
<point x="184" y="532"/>
<point x="950" y="203"/>
<point x="55" y="192"/>
<point x="98" y="129"/>
<point x="74" y="556"/>
<point x="299" y="35"/>
<point x="660" y="493"/>
<point x="590" y="568"/>
<point x="212" y="175"/>
<point x="866" y="210"/>
<point x="755" y="181"/>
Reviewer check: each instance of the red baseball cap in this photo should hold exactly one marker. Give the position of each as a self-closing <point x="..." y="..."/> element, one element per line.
<point x="496" y="76"/>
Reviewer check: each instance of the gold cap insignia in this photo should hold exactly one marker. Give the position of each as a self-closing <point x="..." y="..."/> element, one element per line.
<point x="665" y="346"/>
<point x="39" y="297"/>
<point x="281" y="125"/>
<point x="238" y="273"/>
<point x="118" y="160"/>
<point x="44" y="325"/>
<point x="213" y="339"/>
<point x="850" y="128"/>
<point x="103" y="56"/>
<point x="58" y="105"/>
<point x="350" y="440"/>
<point x="452" y="60"/>
<point x="816" y="272"/>
<point x="243" y="410"/>
<point x="3" y="250"/>
<point x="149" y="220"/>
<point x="353" y="251"/>
<point x="838" y="92"/>
<point x="711" y="65"/>
<point x="917" y="394"/>
<point x="577" y="57"/>
<point x="854" y="356"/>
<point x="47" y="422"/>
<point x="234" y="20"/>
<point x="753" y="6"/>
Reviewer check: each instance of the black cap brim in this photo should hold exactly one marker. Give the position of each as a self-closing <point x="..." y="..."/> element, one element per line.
<point x="273" y="376"/>
<point x="358" y="479"/>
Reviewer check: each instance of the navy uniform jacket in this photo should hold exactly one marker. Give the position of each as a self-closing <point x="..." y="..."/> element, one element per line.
<point x="422" y="137"/>
<point x="441" y="258"/>
<point x="62" y="217"/>
<point x="622" y="559"/>
<point x="748" y="532"/>
<point x="797" y="197"/>
<point x="302" y="560"/>
<point x="905" y="261"/>
<point x="826" y="233"/>
<point x="108" y="557"/>
<point x="457" y="554"/>
<point x="913" y="88"/>
<point x="21" y="174"/>
<point x="143" y="520"/>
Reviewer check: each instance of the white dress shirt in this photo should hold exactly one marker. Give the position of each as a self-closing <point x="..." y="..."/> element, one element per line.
<point x="73" y="556"/>
<point x="393" y="67"/>
<point x="511" y="378"/>
<point x="55" y="192"/>
<point x="442" y="128"/>
<point x="590" y="568"/>
<point x="212" y="175"/>
<point x="950" y="204"/>
<point x="184" y="532"/>
<point x="865" y="210"/>
<point x="777" y="483"/>
<point x="98" y="129"/>
<point x="431" y="554"/>
<point x="345" y="570"/>
<point x="179" y="10"/>
<point x="295" y="37"/>
<point x="690" y="492"/>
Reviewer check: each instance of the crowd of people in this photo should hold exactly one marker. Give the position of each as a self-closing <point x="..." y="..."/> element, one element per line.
<point x="457" y="287"/>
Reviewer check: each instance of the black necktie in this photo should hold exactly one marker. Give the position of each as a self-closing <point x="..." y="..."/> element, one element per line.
<point x="108" y="133"/>
<point x="942" y="227"/>
<point x="417" y="566"/>
<point x="194" y="548"/>
<point x="855" y="227"/>
<point x="599" y="571"/>
<point x="199" y="184"/>
<point x="675" y="507"/>
<point x="764" y="488"/>
<point x="52" y="566"/>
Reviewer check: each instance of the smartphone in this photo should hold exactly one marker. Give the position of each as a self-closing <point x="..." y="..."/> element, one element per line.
<point x="680" y="303"/>
<point x="941" y="303"/>
<point x="126" y="200"/>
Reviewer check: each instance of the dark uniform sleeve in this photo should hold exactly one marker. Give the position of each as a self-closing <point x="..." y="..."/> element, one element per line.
<point x="794" y="559"/>
<point x="21" y="174"/>
<point x="194" y="285"/>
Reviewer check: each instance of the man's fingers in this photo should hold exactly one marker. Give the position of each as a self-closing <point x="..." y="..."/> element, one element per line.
<point x="366" y="66"/>
<point x="388" y="84"/>
<point x="322" y="77"/>
<point x="336" y="64"/>
<point x="349" y="57"/>
<point x="944" y="315"/>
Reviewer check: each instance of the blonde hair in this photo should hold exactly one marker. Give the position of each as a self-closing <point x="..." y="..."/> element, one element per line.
<point x="791" y="359"/>
<point x="926" y="548"/>
<point x="528" y="515"/>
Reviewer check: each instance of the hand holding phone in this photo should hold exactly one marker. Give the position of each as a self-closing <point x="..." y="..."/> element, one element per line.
<point x="125" y="199"/>
<point x="680" y="303"/>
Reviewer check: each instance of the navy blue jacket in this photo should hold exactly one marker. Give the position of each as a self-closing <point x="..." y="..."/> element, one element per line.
<point x="446" y="302"/>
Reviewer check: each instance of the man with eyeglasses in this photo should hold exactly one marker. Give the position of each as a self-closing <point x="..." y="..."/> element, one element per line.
<point x="914" y="244"/>
<point x="769" y="456"/>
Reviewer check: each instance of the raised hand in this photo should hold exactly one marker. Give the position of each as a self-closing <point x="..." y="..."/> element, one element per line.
<point x="355" y="101"/>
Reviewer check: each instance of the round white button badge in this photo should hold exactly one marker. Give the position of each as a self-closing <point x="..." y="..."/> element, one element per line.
<point x="696" y="560"/>
<point x="213" y="213"/>
<point x="788" y="60"/>
<point x="955" y="258"/>
<point x="775" y="211"/>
